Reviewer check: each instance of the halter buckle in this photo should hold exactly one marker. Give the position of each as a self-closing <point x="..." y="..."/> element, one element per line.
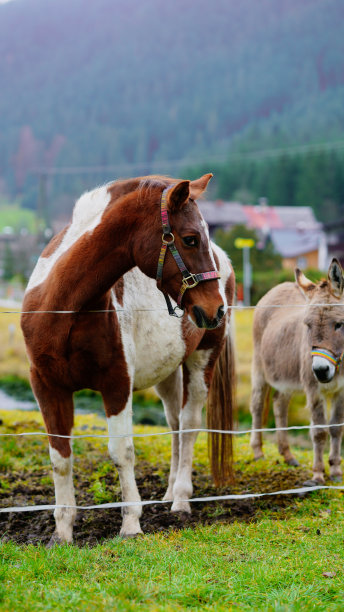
<point x="189" y="281"/>
<point x="168" y="241"/>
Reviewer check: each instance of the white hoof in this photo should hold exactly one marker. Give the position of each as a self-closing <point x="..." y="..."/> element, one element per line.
<point x="130" y="527"/>
<point x="181" y="506"/>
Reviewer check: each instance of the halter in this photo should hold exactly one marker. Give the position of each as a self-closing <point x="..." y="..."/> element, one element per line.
<point x="189" y="280"/>
<point x="327" y="355"/>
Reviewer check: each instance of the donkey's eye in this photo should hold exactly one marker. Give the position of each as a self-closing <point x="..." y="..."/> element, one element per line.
<point x="190" y="241"/>
<point x="338" y="326"/>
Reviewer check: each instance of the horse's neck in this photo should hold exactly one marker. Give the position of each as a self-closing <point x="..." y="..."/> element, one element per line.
<point x="83" y="268"/>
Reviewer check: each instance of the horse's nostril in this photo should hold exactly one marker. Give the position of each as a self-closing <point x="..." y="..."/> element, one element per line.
<point x="220" y="312"/>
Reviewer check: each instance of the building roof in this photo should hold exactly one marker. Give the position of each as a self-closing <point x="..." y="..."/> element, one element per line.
<point x="221" y="213"/>
<point x="292" y="243"/>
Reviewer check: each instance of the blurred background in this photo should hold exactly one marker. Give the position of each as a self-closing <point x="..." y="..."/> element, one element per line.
<point x="252" y="91"/>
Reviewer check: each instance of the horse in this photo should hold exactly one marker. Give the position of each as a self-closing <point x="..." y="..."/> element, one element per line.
<point x="126" y="254"/>
<point x="299" y="347"/>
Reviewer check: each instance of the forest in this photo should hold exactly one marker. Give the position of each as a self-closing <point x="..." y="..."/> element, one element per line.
<point x="118" y="82"/>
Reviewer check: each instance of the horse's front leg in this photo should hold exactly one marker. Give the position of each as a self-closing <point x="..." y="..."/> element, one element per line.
<point x="336" y="434"/>
<point x="121" y="449"/>
<point x="195" y="395"/>
<point x="56" y="405"/>
<point x="170" y="391"/>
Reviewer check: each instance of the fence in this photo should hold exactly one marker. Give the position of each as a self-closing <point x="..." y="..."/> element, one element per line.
<point x="296" y="491"/>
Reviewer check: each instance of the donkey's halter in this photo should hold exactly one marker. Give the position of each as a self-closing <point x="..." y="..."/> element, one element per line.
<point x="327" y="355"/>
<point x="189" y="280"/>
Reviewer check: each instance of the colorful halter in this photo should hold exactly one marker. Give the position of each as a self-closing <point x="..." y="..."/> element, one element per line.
<point x="189" y="280"/>
<point x="327" y="355"/>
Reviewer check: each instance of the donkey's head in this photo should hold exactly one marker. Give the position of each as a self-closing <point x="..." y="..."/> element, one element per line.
<point x="179" y="254"/>
<point x="325" y="321"/>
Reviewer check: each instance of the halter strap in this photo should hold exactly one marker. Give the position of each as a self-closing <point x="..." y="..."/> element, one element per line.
<point x="189" y="280"/>
<point x="327" y="355"/>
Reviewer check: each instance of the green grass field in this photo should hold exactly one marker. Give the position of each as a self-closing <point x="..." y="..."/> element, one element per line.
<point x="275" y="553"/>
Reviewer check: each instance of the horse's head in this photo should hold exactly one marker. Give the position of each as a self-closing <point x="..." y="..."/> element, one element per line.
<point x="184" y="267"/>
<point x="324" y="320"/>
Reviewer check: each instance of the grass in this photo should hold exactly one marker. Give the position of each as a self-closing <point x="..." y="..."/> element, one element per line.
<point x="287" y="557"/>
<point x="265" y="566"/>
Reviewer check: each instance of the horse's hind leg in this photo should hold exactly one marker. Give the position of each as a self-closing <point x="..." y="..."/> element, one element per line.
<point x="259" y="393"/>
<point x="195" y="395"/>
<point x="121" y="450"/>
<point x="336" y="433"/>
<point x="170" y="391"/>
<point x="56" y="405"/>
<point x="280" y="408"/>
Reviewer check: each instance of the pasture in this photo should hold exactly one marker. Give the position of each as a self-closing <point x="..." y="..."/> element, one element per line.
<point x="273" y="553"/>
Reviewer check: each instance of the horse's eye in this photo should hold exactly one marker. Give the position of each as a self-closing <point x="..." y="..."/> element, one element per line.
<point x="338" y="326"/>
<point x="190" y="241"/>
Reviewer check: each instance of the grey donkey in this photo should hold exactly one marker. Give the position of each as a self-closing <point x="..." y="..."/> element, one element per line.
<point x="299" y="347"/>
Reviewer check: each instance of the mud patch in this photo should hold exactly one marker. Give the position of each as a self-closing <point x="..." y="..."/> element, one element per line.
<point x="93" y="526"/>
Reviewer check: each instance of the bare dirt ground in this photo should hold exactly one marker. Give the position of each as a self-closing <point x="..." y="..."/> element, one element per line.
<point x="93" y="526"/>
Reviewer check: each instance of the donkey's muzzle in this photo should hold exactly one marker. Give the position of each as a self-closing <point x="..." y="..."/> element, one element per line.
<point x="203" y="321"/>
<point x="323" y="370"/>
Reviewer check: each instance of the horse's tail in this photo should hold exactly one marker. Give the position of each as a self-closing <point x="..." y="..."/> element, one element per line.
<point x="220" y="415"/>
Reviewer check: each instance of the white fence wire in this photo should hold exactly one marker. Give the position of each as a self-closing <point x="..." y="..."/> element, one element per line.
<point x="295" y="491"/>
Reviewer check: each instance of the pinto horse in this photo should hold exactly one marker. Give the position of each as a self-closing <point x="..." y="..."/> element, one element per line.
<point x="300" y="347"/>
<point x="117" y="335"/>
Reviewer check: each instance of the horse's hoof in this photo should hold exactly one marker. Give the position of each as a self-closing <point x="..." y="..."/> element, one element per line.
<point x="130" y="536"/>
<point x="258" y="457"/>
<point x="55" y="540"/>
<point x="181" y="506"/>
<point x="293" y="462"/>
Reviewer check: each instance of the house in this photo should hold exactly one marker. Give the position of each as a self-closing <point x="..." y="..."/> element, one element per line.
<point x="294" y="231"/>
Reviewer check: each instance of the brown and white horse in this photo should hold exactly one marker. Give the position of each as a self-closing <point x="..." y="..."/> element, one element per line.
<point x="299" y="347"/>
<point x="132" y="342"/>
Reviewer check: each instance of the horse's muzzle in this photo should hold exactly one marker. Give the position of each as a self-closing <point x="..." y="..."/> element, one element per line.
<point x="203" y="321"/>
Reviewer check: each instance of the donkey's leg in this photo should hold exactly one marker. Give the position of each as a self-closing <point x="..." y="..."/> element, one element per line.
<point x="318" y="435"/>
<point x="121" y="450"/>
<point x="170" y="391"/>
<point x="336" y="433"/>
<point x="195" y="395"/>
<point x="258" y="394"/>
<point x="56" y="405"/>
<point x="280" y="407"/>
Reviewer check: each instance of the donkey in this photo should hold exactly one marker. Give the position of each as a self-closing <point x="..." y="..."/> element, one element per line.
<point x="299" y="347"/>
<point x="116" y="335"/>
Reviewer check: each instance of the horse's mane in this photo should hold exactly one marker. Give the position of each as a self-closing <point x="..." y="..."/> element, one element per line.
<point x="91" y="205"/>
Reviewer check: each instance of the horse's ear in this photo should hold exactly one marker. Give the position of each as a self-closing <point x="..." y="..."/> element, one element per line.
<point x="335" y="278"/>
<point x="178" y="195"/>
<point x="198" y="186"/>
<point x="304" y="283"/>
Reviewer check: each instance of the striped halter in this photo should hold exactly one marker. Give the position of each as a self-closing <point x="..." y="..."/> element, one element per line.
<point x="327" y="355"/>
<point x="189" y="280"/>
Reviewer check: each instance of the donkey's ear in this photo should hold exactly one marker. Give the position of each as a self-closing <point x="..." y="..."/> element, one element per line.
<point x="305" y="285"/>
<point x="335" y="278"/>
<point x="178" y="195"/>
<point x="199" y="186"/>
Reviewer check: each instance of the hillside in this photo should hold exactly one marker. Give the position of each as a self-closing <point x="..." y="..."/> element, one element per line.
<point x="123" y="81"/>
